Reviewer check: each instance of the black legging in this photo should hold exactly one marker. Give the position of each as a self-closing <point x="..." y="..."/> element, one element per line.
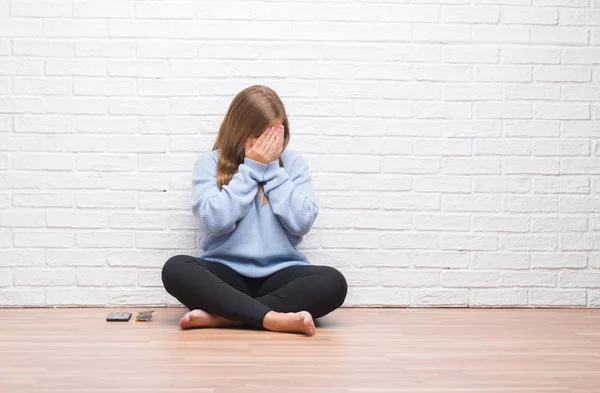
<point x="219" y="290"/>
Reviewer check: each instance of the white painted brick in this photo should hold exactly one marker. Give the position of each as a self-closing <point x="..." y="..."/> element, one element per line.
<point x="102" y="277"/>
<point x="335" y="220"/>
<point x="500" y="224"/>
<point x="411" y="165"/>
<point x="137" y="68"/>
<point x="20" y="27"/>
<point x="472" y="129"/>
<point x="74" y="27"/>
<point x="503" y="110"/>
<point x="470" y="54"/>
<point x="558" y="261"/>
<point x="559" y="35"/>
<point x="526" y="204"/>
<point x="76" y="67"/>
<point x="579" y="279"/>
<point x="42" y="48"/>
<point x="408" y="278"/>
<point x="412" y="202"/>
<point x="104" y="239"/>
<point x="409" y="241"/>
<point x="561" y="3"/>
<point x="22" y="296"/>
<point x="44" y="124"/>
<point x="577" y="166"/>
<point x="497" y="298"/>
<point x="72" y="257"/>
<point x="45" y="277"/>
<point x="562" y="111"/>
<point x="104" y="125"/>
<point x="158" y="200"/>
<point x="150" y="278"/>
<point x="440" y="259"/>
<point x="502" y="147"/>
<point x="167" y="240"/>
<point x="593" y="298"/>
<point x="105" y="162"/>
<point x="378" y="296"/>
<point x="531" y="129"/>
<point x="167" y="88"/>
<point x="76" y="297"/>
<point x="186" y="143"/>
<point x="528" y="243"/>
<point x="535" y="278"/>
<point x="441" y="222"/>
<point x="21" y="105"/>
<point x="534" y="166"/>
<point x="442" y="147"/>
<point x="530" y="55"/>
<point x="558" y="224"/>
<point x="76" y="219"/>
<point x="137" y="258"/>
<point x="529" y="16"/>
<point x="49" y="239"/>
<point x="362" y="277"/>
<point x="35" y="86"/>
<point x="137" y="29"/>
<point x="561" y="185"/>
<point x="581" y="55"/>
<point x="581" y="93"/>
<point x="500" y="34"/>
<point x="571" y="147"/>
<point x="501" y="261"/>
<point x="440" y="297"/>
<point x="4" y="200"/>
<point x="471" y="166"/>
<point x="142" y="182"/>
<point x="147" y="144"/>
<point x="106" y="200"/>
<point x="41" y="9"/>
<point x="443" y="110"/>
<point x="442" y="33"/>
<point x="5" y="278"/>
<point x="443" y="73"/>
<point x="562" y="74"/>
<point x="594" y="260"/>
<point x="22" y="67"/>
<point x="501" y="184"/>
<point x="366" y="164"/>
<point x="350" y="201"/>
<point x="557" y="298"/>
<point x="468" y="203"/>
<point x="127" y="220"/>
<point x="161" y="10"/>
<point x="76" y="106"/>
<point x="460" y="279"/>
<point x="43" y="161"/>
<point x="470" y="14"/>
<point x="182" y="221"/>
<point x="350" y="239"/>
<point x="489" y="73"/>
<point x="104" y="87"/>
<point x="107" y="49"/>
<point x="578" y="204"/>
<point x="421" y="128"/>
<point x="138" y="106"/>
<point x="532" y="92"/>
<point x="75" y="143"/>
<point x="22" y="257"/>
<point x="379" y="220"/>
<point x="6" y="238"/>
<point x="447" y="184"/>
<point x="469" y="242"/>
<point x="470" y="92"/>
<point x="102" y="9"/>
<point x="56" y="180"/>
<point x="579" y="17"/>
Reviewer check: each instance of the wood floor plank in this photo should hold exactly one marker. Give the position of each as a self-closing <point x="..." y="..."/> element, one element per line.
<point x="354" y="350"/>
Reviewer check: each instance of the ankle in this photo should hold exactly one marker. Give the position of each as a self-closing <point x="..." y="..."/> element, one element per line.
<point x="272" y="321"/>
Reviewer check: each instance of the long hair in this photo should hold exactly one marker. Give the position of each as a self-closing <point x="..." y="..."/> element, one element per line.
<point x="253" y="110"/>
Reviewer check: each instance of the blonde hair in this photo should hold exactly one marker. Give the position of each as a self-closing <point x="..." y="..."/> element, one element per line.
<point x="250" y="113"/>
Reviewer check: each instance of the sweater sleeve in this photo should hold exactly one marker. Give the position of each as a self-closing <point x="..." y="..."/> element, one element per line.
<point x="217" y="211"/>
<point x="291" y="196"/>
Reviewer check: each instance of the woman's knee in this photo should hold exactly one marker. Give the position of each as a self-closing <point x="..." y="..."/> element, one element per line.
<point x="171" y="269"/>
<point x="335" y="285"/>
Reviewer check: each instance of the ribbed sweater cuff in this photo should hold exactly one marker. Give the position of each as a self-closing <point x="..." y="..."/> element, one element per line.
<point x="264" y="172"/>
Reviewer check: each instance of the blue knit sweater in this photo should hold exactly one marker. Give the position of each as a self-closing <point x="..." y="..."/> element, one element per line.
<point x="253" y="239"/>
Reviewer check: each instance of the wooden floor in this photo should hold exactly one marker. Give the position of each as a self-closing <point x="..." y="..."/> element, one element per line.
<point x="354" y="350"/>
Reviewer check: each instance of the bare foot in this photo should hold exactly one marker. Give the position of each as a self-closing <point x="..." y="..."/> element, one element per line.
<point x="296" y="322"/>
<point x="200" y="319"/>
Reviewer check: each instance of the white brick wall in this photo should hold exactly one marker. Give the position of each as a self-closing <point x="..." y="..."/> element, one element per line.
<point x="455" y="145"/>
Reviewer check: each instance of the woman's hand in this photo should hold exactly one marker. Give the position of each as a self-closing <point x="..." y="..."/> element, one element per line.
<point x="268" y="146"/>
